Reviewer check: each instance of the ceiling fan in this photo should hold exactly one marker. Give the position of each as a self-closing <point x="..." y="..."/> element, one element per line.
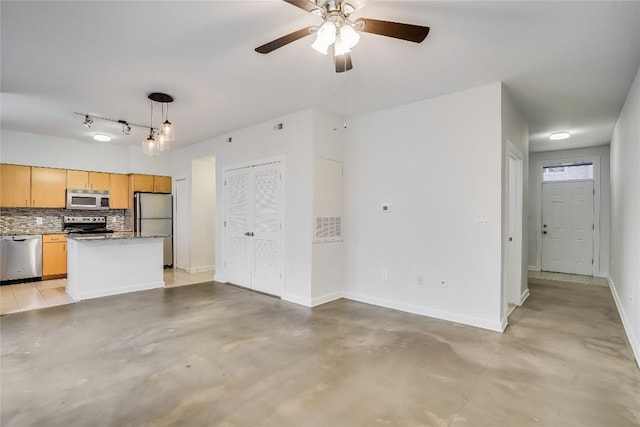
<point x="339" y="34"/>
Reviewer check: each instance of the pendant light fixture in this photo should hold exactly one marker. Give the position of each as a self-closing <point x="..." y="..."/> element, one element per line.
<point x="150" y="146"/>
<point x="166" y="133"/>
<point x="159" y="139"/>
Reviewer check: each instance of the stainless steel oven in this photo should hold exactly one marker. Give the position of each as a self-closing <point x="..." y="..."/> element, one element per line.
<point x="87" y="199"/>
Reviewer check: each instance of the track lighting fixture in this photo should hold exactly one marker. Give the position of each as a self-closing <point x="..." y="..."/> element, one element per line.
<point x="126" y="127"/>
<point x="159" y="139"/>
<point x="87" y="120"/>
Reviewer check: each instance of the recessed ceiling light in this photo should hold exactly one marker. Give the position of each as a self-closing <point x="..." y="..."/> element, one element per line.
<point x="102" y="138"/>
<point x="559" y="135"/>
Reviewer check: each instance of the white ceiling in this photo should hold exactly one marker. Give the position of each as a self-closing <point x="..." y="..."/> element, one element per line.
<point x="567" y="65"/>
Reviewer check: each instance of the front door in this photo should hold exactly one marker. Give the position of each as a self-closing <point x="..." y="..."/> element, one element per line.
<point x="567" y="227"/>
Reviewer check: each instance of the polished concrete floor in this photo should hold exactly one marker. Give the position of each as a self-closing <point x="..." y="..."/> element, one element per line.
<point x="217" y="355"/>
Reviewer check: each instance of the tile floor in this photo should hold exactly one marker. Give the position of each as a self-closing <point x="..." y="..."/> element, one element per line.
<point x="49" y="293"/>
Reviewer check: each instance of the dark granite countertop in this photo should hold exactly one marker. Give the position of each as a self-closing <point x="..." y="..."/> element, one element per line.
<point x="121" y="235"/>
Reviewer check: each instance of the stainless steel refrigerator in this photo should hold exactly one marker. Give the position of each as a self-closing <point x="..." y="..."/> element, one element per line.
<point x="153" y="215"/>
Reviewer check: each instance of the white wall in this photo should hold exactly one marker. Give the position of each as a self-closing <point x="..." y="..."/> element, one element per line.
<point x="47" y="151"/>
<point x="536" y="160"/>
<point x="203" y="215"/>
<point x="327" y="257"/>
<point x="625" y="215"/>
<point x="515" y="130"/>
<point x="260" y="141"/>
<point x="438" y="163"/>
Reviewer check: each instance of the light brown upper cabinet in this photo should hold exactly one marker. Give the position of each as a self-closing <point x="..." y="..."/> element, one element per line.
<point x="99" y="181"/>
<point x="48" y="187"/>
<point x="15" y="186"/>
<point x="119" y="191"/>
<point x="162" y="184"/>
<point x="140" y="182"/>
<point x="77" y="179"/>
<point x="88" y="180"/>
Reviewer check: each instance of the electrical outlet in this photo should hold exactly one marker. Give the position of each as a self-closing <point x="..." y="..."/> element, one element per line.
<point x="385" y="275"/>
<point x="113" y="219"/>
<point x="420" y="280"/>
<point x="443" y="283"/>
<point x="39" y="220"/>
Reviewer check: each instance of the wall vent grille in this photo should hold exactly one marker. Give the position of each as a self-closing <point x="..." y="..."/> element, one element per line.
<point x="328" y="229"/>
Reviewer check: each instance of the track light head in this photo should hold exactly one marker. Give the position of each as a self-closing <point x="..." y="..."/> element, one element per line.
<point x="87" y="121"/>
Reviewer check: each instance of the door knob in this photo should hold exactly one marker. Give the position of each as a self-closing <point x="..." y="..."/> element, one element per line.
<point x="249" y="233"/>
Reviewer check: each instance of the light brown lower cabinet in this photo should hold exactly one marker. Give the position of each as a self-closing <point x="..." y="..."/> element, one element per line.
<point x="54" y="255"/>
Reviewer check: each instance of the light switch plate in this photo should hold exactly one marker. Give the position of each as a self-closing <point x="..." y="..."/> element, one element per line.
<point x="481" y="216"/>
<point x="39" y="220"/>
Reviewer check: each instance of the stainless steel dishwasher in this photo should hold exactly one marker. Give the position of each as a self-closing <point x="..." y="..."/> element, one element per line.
<point x="20" y="257"/>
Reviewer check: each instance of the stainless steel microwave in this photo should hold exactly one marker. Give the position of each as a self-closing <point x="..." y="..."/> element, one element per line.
<point x="87" y="199"/>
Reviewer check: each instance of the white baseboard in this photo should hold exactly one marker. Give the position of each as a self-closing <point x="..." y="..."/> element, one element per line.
<point x="326" y="298"/>
<point x="80" y="296"/>
<point x="504" y="322"/>
<point x="491" y="325"/>
<point x="524" y="296"/>
<point x="635" y="345"/>
<point x="202" y="269"/>
<point x="534" y="268"/>
<point x="297" y="299"/>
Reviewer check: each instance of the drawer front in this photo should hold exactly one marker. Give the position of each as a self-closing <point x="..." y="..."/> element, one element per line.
<point x="54" y="238"/>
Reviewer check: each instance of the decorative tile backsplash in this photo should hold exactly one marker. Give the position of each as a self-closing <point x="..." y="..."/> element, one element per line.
<point x="23" y="220"/>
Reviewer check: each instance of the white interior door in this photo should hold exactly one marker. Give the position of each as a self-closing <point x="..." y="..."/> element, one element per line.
<point x="253" y="229"/>
<point x="238" y="222"/>
<point x="514" y="238"/>
<point x="267" y="241"/>
<point x="567" y="227"/>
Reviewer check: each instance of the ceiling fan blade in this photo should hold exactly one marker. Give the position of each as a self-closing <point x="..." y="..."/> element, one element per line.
<point x="307" y="5"/>
<point x="343" y="62"/>
<point x="284" y="40"/>
<point x="412" y="33"/>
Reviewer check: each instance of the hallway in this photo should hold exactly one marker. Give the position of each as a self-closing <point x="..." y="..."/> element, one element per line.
<point x="212" y="354"/>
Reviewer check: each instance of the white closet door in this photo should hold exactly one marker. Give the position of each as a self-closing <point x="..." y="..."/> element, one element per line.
<point x="253" y="230"/>
<point x="267" y="232"/>
<point x="238" y="247"/>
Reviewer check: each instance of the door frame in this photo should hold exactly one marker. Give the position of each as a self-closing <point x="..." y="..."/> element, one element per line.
<point x="179" y="212"/>
<point x="596" y="206"/>
<point x="514" y="292"/>
<point x="222" y="210"/>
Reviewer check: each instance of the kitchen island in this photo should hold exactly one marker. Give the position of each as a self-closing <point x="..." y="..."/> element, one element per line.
<point x="110" y="264"/>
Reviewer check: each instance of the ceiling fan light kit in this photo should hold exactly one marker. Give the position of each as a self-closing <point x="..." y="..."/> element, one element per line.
<point x="339" y="32"/>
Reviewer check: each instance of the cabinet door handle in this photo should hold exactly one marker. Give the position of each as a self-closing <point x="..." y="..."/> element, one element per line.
<point x="64" y="247"/>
